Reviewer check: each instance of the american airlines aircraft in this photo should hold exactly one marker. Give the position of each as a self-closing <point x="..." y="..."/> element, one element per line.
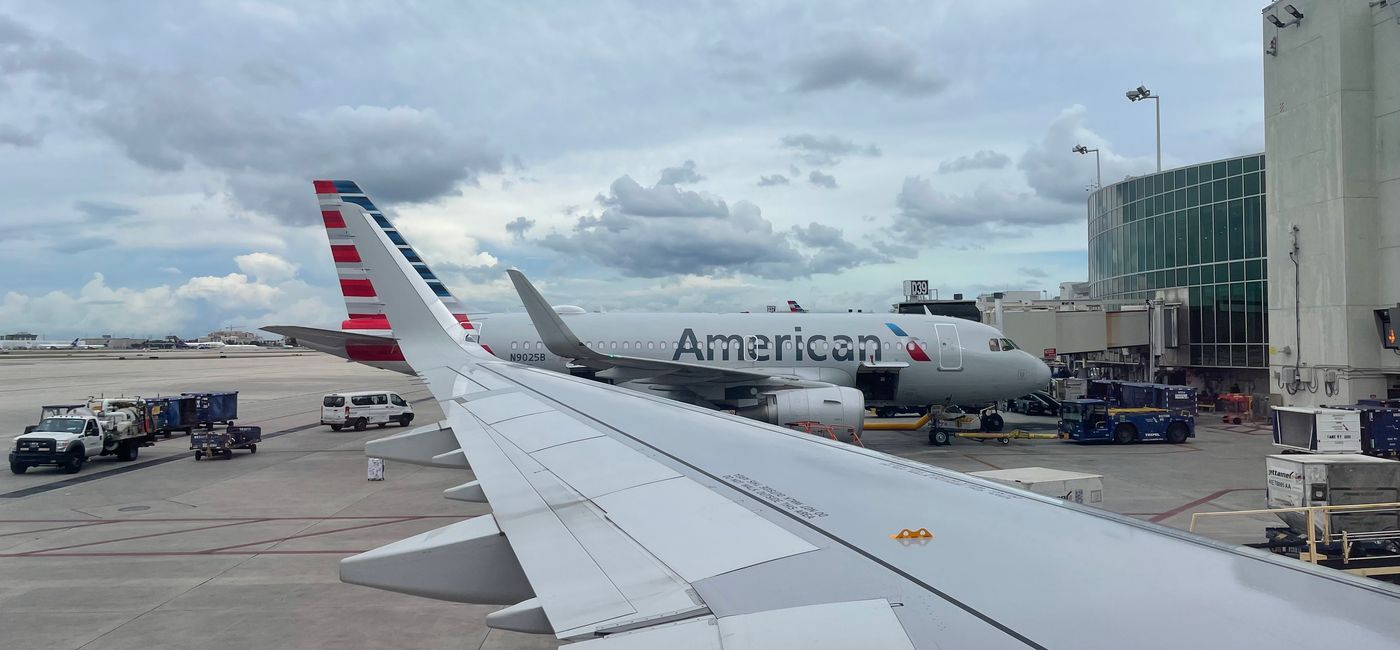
<point x="627" y="522"/>
<point x="780" y="368"/>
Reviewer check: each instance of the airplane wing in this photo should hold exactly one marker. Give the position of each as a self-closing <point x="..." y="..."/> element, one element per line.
<point x="627" y="521"/>
<point x="561" y="341"/>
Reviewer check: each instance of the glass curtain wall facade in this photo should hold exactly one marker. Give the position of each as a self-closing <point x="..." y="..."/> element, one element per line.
<point x="1199" y="227"/>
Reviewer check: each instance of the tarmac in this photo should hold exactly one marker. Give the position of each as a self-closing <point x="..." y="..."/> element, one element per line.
<point x="242" y="553"/>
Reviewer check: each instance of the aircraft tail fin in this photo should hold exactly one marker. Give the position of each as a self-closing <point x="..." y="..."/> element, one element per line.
<point x="795" y="308"/>
<point x="364" y="310"/>
<point x="428" y="334"/>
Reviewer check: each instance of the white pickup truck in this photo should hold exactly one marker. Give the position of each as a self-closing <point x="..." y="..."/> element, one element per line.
<point x="67" y="436"/>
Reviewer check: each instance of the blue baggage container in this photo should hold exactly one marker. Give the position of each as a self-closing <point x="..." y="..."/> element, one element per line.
<point x="1108" y="390"/>
<point x="215" y="407"/>
<point x="1380" y="427"/>
<point x="173" y="413"/>
<point x="1177" y="399"/>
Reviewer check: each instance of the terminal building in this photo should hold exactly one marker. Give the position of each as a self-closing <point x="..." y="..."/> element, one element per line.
<point x="1276" y="274"/>
<point x="1193" y="238"/>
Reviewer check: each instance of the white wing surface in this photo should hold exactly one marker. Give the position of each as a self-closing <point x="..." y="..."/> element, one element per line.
<point x="630" y="521"/>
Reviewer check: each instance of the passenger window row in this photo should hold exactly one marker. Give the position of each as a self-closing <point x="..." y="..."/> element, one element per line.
<point x="824" y="346"/>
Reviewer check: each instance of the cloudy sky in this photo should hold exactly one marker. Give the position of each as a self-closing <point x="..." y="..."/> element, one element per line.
<point x="156" y="158"/>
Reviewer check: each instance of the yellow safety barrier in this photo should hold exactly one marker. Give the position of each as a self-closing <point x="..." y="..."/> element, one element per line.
<point x="1344" y="537"/>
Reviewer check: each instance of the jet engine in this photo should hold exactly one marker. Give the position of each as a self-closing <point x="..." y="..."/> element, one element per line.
<point x="840" y="407"/>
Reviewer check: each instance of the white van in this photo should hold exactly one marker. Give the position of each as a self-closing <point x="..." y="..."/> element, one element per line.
<point x="361" y="409"/>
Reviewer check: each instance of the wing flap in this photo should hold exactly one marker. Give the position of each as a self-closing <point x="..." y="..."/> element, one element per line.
<point x="692" y="529"/>
<point x="505" y="405"/>
<point x="539" y="431"/>
<point x="828" y="626"/>
<point x="598" y="466"/>
<point x="598" y="558"/>
<point x="571" y="587"/>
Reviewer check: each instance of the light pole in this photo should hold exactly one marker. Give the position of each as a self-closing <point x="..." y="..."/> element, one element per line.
<point x="1139" y="93"/>
<point x="1098" y="171"/>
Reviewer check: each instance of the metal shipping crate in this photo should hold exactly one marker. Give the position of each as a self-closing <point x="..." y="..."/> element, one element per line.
<point x="1317" y="430"/>
<point x="1070" y="486"/>
<point x="1300" y="480"/>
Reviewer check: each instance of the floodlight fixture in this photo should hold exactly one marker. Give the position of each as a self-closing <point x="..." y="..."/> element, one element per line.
<point x="1098" y="170"/>
<point x="1276" y="22"/>
<point x="1141" y="93"/>
<point x="1293" y="12"/>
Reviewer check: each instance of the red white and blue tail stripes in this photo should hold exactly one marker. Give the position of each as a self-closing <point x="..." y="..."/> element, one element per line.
<point x="364" y="309"/>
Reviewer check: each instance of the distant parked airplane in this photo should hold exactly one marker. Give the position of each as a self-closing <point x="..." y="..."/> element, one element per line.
<point x="75" y="344"/>
<point x="798" y="367"/>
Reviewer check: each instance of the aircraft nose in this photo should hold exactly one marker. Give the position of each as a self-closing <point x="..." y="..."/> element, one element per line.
<point x="1037" y="373"/>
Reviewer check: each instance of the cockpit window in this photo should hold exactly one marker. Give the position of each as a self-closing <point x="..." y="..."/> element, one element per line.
<point x="1006" y="344"/>
<point x="995" y="345"/>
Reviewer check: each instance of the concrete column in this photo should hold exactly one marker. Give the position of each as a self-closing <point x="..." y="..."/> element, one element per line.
<point x="1330" y="132"/>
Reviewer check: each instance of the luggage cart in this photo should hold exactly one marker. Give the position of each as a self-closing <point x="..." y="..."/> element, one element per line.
<point x="222" y="443"/>
<point x="1237" y="408"/>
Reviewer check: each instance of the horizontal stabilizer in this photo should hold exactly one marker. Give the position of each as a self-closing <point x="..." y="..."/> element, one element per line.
<point x="527" y="616"/>
<point x="370" y="349"/>
<point x="317" y="338"/>
<point x="466" y="492"/>
<point x="418" y="446"/>
<point x="467" y="562"/>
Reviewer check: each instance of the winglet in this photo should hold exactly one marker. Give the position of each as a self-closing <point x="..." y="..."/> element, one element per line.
<point x="557" y="336"/>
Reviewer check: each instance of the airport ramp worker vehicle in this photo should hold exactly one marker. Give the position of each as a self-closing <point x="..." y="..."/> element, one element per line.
<point x="360" y="409"/>
<point x="1093" y="420"/>
<point x="68" y="439"/>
